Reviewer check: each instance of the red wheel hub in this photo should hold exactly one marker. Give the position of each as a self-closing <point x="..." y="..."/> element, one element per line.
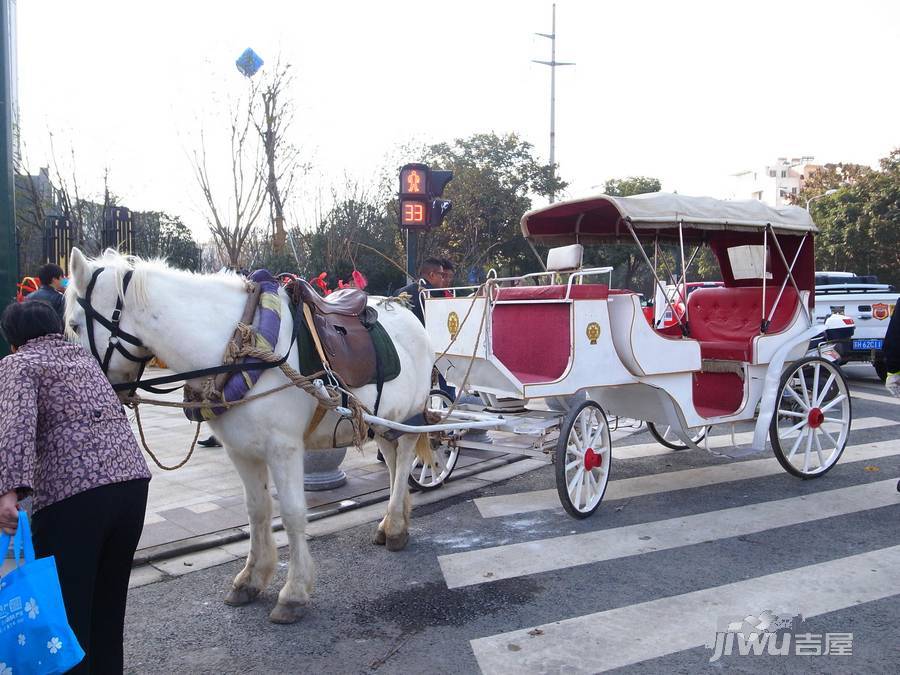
<point x="592" y="460"/>
<point x="816" y="418"/>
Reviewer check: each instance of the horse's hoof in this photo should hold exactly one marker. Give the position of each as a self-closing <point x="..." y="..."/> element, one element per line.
<point x="238" y="597"/>
<point x="398" y="542"/>
<point x="287" y="612"/>
<point x="379" y="538"/>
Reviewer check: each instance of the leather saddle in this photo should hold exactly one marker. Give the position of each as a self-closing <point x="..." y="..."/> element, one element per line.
<point x="340" y="325"/>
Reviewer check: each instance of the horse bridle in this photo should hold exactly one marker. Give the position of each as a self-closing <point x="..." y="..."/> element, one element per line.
<point x="116" y="335"/>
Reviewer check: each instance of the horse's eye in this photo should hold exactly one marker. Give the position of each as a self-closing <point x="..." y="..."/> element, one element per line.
<point x="74" y="328"/>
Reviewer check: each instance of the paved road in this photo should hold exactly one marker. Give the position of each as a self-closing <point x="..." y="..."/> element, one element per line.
<point x="495" y="582"/>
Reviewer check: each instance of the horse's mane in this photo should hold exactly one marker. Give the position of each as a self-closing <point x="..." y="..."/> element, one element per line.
<point x="142" y="268"/>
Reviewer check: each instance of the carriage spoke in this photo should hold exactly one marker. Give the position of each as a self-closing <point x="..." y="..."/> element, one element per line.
<point x="803" y="384"/>
<point x="793" y="393"/>
<point x="835" y="420"/>
<point x="834" y="402"/>
<point x="796" y="444"/>
<point x="791" y="413"/>
<point x="825" y="389"/>
<point x="571" y="465"/>
<point x="815" y="387"/>
<point x="796" y="427"/>
<point x="807" y="451"/>
<point x="575" y="479"/>
<point x="424" y="471"/>
<point x="830" y="438"/>
<point x="578" y="489"/>
<point x="573" y="448"/>
<point x="819" y="450"/>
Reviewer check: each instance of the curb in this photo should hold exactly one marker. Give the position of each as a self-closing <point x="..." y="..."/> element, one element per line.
<point x="231" y="535"/>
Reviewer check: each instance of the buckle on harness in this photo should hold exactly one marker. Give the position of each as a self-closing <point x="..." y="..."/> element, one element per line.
<point x="117" y="313"/>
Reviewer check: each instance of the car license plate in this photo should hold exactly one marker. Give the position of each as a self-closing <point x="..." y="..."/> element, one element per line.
<point x="867" y="344"/>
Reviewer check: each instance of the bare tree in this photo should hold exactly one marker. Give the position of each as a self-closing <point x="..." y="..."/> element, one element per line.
<point x="231" y="220"/>
<point x="272" y="112"/>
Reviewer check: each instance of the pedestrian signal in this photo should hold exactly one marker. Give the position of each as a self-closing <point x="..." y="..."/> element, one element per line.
<point x="419" y="185"/>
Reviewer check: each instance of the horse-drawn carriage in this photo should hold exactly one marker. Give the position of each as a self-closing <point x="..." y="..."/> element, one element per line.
<point x="739" y="352"/>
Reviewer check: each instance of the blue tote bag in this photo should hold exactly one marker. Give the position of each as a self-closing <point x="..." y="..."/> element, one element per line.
<point x="35" y="636"/>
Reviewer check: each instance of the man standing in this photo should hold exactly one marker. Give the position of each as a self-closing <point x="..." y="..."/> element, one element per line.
<point x="51" y="277"/>
<point x="892" y="357"/>
<point x="431" y="275"/>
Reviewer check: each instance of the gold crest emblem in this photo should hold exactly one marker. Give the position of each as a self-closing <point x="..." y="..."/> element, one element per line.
<point x="593" y="332"/>
<point x="453" y="324"/>
<point x="881" y="311"/>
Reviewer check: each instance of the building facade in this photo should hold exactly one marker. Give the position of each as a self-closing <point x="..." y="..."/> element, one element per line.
<point x="775" y="184"/>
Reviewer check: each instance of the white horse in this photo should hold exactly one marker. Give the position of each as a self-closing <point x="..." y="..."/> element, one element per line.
<point x="186" y="319"/>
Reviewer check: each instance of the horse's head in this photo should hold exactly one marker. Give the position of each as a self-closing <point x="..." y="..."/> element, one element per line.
<point x="101" y="313"/>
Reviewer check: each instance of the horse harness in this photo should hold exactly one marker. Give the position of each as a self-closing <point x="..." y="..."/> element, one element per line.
<point x="337" y="326"/>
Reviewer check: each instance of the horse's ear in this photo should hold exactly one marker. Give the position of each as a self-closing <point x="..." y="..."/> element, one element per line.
<point x="79" y="269"/>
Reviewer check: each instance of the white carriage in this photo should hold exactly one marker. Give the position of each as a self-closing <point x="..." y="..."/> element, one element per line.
<point x="738" y="353"/>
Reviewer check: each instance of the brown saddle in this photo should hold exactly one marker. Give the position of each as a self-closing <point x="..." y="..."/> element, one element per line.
<point x="339" y="324"/>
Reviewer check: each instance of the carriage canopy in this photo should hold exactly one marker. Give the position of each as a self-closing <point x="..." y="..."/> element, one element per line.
<point x="599" y="218"/>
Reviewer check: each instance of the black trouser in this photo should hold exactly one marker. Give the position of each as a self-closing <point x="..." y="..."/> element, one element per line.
<point x="93" y="536"/>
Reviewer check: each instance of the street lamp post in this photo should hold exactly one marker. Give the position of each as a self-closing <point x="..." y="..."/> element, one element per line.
<point x="824" y="194"/>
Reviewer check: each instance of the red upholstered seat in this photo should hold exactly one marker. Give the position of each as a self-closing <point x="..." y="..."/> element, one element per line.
<point x="725" y="320"/>
<point x="532" y="340"/>
<point x="556" y="292"/>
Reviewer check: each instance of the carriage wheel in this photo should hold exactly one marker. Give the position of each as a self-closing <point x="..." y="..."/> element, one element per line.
<point x="432" y="475"/>
<point x="583" y="457"/>
<point x="664" y="435"/>
<point x="810" y="427"/>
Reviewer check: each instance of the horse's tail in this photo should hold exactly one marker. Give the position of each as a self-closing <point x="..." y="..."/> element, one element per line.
<point x="423" y="449"/>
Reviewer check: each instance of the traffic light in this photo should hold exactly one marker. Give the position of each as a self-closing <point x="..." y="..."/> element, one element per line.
<point x="419" y="187"/>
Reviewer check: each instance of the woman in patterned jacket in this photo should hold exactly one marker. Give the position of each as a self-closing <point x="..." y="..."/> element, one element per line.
<point x="65" y="440"/>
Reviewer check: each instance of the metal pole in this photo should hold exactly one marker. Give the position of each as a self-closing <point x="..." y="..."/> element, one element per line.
<point x="9" y="264"/>
<point x="553" y="63"/>
<point x="412" y="251"/>
<point x="553" y="100"/>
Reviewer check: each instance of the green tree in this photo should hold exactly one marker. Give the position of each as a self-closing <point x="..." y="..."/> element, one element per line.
<point x="494" y="181"/>
<point x="159" y="235"/>
<point x="859" y="226"/>
<point x="630" y="270"/>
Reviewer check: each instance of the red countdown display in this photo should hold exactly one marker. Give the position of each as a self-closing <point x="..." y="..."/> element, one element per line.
<point x="413" y="213"/>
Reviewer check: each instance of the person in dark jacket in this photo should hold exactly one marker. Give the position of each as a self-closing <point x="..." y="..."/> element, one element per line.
<point x="892" y="354"/>
<point x="65" y="441"/>
<point x="892" y="357"/>
<point x="51" y="277"/>
<point x="431" y="275"/>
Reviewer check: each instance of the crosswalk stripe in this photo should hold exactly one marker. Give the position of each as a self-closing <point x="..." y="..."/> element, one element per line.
<point x="635" y="633"/>
<point x="539" y="500"/>
<point x="487" y="565"/>
<point x="880" y="398"/>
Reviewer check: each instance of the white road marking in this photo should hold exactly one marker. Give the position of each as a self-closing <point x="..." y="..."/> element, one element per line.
<point x="538" y="500"/>
<point x="635" y="633"/>
<point x="879" y="398"/>
<point x="543" y="555"/>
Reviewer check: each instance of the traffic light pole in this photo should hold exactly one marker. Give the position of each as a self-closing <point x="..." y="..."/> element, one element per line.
<point x="9" y="264"/>
<point x="412" y="251"/>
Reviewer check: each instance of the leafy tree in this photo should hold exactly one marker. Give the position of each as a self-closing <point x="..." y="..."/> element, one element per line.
<point x="494" y="180"/>
<point x="630" y="269"/>
<point x="159" y="235"/>
<point x="859" y="226"/>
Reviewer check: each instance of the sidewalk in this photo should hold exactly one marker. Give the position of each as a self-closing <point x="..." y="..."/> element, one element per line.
<point x="202" y="503"/>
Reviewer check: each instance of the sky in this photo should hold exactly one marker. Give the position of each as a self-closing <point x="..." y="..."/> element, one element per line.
<point x="688" y="91"/>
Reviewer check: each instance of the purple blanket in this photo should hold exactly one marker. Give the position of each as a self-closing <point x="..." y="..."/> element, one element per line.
<point x="268" y="325"/>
